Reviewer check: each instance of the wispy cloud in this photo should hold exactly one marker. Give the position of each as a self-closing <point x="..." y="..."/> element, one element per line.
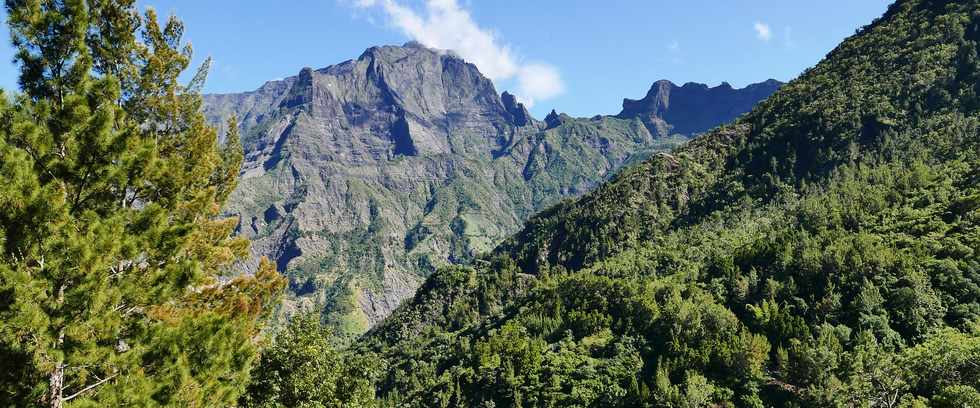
<point x="789" y="38"/>
<point x="762" y="31"/>
<point x="674" y="52"/>
<point x="443" y="24"/>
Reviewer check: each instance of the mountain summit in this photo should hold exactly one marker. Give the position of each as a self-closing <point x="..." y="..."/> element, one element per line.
<point x="362" y="178"/>
<point x="694" y="108"/>
<point x="390" y="101"/>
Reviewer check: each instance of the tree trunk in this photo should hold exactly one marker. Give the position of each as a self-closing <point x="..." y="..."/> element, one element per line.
<point x="56" y="385"/>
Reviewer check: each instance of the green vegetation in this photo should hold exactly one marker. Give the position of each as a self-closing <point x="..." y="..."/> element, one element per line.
<point x="111" y="248"/>
<point x="302" y="369"/>
<point x="824" y="250"/>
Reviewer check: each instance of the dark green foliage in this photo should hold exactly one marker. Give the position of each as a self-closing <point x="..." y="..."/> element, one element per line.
<point x="112" y="249"/>
<point x="302" y="369"/>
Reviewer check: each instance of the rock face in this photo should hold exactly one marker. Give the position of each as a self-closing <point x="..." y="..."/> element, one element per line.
<point x="694" y="108"/>
<point x="363" y="177"/>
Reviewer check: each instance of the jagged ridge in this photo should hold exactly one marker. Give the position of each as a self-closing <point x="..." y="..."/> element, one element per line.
<point x="694" y="108"/>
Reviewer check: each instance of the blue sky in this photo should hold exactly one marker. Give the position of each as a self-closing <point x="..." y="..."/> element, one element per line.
<point x="581" y="57"/>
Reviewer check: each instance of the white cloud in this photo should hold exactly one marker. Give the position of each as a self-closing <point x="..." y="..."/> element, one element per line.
<point x="447" y="26"/>
<point x="674" y="46"/>
<point x="538" y="81"/>
<point x="762" y="31"/>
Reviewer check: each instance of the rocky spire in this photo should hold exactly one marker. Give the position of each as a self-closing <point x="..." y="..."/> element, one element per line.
<point x="553" y="120"/>
<point x="518" y="112"/>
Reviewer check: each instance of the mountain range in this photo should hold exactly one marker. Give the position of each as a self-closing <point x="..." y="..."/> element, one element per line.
<point x="362" y="178"/>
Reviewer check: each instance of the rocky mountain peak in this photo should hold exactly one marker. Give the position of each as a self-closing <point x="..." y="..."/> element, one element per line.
<point x="414" y="44"/>
<point x="765" y="86"/>
<point x="694" y="108"/>
<point x="655" y="102"/>
<point x="553" y="119"/>
<point x="521" y="117"/>
<point x="301" y="91"/>
<point x="390" y="101"/>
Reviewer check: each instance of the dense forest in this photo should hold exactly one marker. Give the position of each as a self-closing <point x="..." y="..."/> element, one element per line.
<point x="823" y="250"/>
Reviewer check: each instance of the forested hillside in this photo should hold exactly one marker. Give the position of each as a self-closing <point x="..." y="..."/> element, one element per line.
<point x="823" y="250"/>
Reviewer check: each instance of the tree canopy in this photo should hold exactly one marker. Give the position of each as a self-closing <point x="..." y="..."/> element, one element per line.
<point x="114" y="259"/>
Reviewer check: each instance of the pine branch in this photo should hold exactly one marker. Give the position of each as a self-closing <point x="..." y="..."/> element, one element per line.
<point x="83" y="390"/>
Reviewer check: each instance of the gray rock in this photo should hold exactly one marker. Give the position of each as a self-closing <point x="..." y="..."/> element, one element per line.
<point x="694" y="108"/>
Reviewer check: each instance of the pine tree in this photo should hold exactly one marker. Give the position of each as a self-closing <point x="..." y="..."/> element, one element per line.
<point x="113" y="251"/>
<point x="302" y="369"/>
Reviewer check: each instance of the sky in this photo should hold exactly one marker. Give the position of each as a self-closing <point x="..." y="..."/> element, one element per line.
<point x="580" y="57"/>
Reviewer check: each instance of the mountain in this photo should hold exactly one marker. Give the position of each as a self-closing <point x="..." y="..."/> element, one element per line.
<point x="364" y="177"/>
<point x="822" y="250"/>
<point x="694" y="108"/>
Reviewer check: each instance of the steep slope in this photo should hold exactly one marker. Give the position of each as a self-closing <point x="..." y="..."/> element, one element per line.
<point x="363" y="177"/>
<point x="823" y="250"/>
